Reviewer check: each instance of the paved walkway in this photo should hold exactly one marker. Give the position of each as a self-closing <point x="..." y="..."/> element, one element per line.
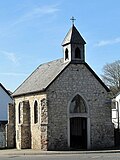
<point x="38" y="152"/>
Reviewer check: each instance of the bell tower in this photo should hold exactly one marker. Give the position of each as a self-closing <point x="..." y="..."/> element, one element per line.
<point x="74" y="46"/>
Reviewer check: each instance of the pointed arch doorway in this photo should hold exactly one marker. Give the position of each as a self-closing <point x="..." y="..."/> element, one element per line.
<point x="78" y="124"/>
<point x="78" y="133"/>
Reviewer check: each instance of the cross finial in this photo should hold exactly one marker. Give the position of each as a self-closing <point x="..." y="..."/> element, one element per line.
<point x="72" y="19"/>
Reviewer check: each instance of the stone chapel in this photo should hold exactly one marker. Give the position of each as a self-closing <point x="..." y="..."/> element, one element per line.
<point x="62" y="105"/>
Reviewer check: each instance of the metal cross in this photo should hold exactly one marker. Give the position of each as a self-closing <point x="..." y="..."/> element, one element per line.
<point x="72" y="19"/>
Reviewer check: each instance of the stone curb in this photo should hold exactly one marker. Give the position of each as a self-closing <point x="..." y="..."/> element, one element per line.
<point x="38" y="152"/>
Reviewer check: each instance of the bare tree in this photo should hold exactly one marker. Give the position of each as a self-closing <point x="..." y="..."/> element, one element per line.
<point x="111" y="76"/>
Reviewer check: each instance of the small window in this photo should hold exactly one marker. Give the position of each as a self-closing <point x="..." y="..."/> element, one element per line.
<point x="77" y="53"/>
<point x="77" y="105"/>
<point x="66" y="54"/>
<point x="19" y="113"/>
<point x="35" y="112"/>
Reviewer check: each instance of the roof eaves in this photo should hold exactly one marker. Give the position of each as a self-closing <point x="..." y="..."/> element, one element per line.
<point x="15" y="94"/>
<point x="28" y="93"/>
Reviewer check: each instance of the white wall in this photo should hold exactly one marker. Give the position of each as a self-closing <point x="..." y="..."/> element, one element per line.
<point x="4" y="100"/>
<point x="115" y="111"/>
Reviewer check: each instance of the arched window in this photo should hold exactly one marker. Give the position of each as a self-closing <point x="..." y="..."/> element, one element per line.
<point x="78" y="105"/>
<point x="35" y="112"/>
<point x="66" y="54"/>
<point x="19" y="113"/>
<point x="77" y="53"/>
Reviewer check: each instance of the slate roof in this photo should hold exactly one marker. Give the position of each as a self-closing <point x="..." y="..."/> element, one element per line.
<point x="44" y="75"/>
<point x="41" y="77"/>
<point x="73" y="36"/>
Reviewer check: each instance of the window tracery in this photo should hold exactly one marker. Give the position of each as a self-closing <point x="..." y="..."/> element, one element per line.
<point x="78" y="105"/>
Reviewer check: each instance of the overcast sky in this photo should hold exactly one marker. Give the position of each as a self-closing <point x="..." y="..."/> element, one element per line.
<point x="31" y="33"/>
